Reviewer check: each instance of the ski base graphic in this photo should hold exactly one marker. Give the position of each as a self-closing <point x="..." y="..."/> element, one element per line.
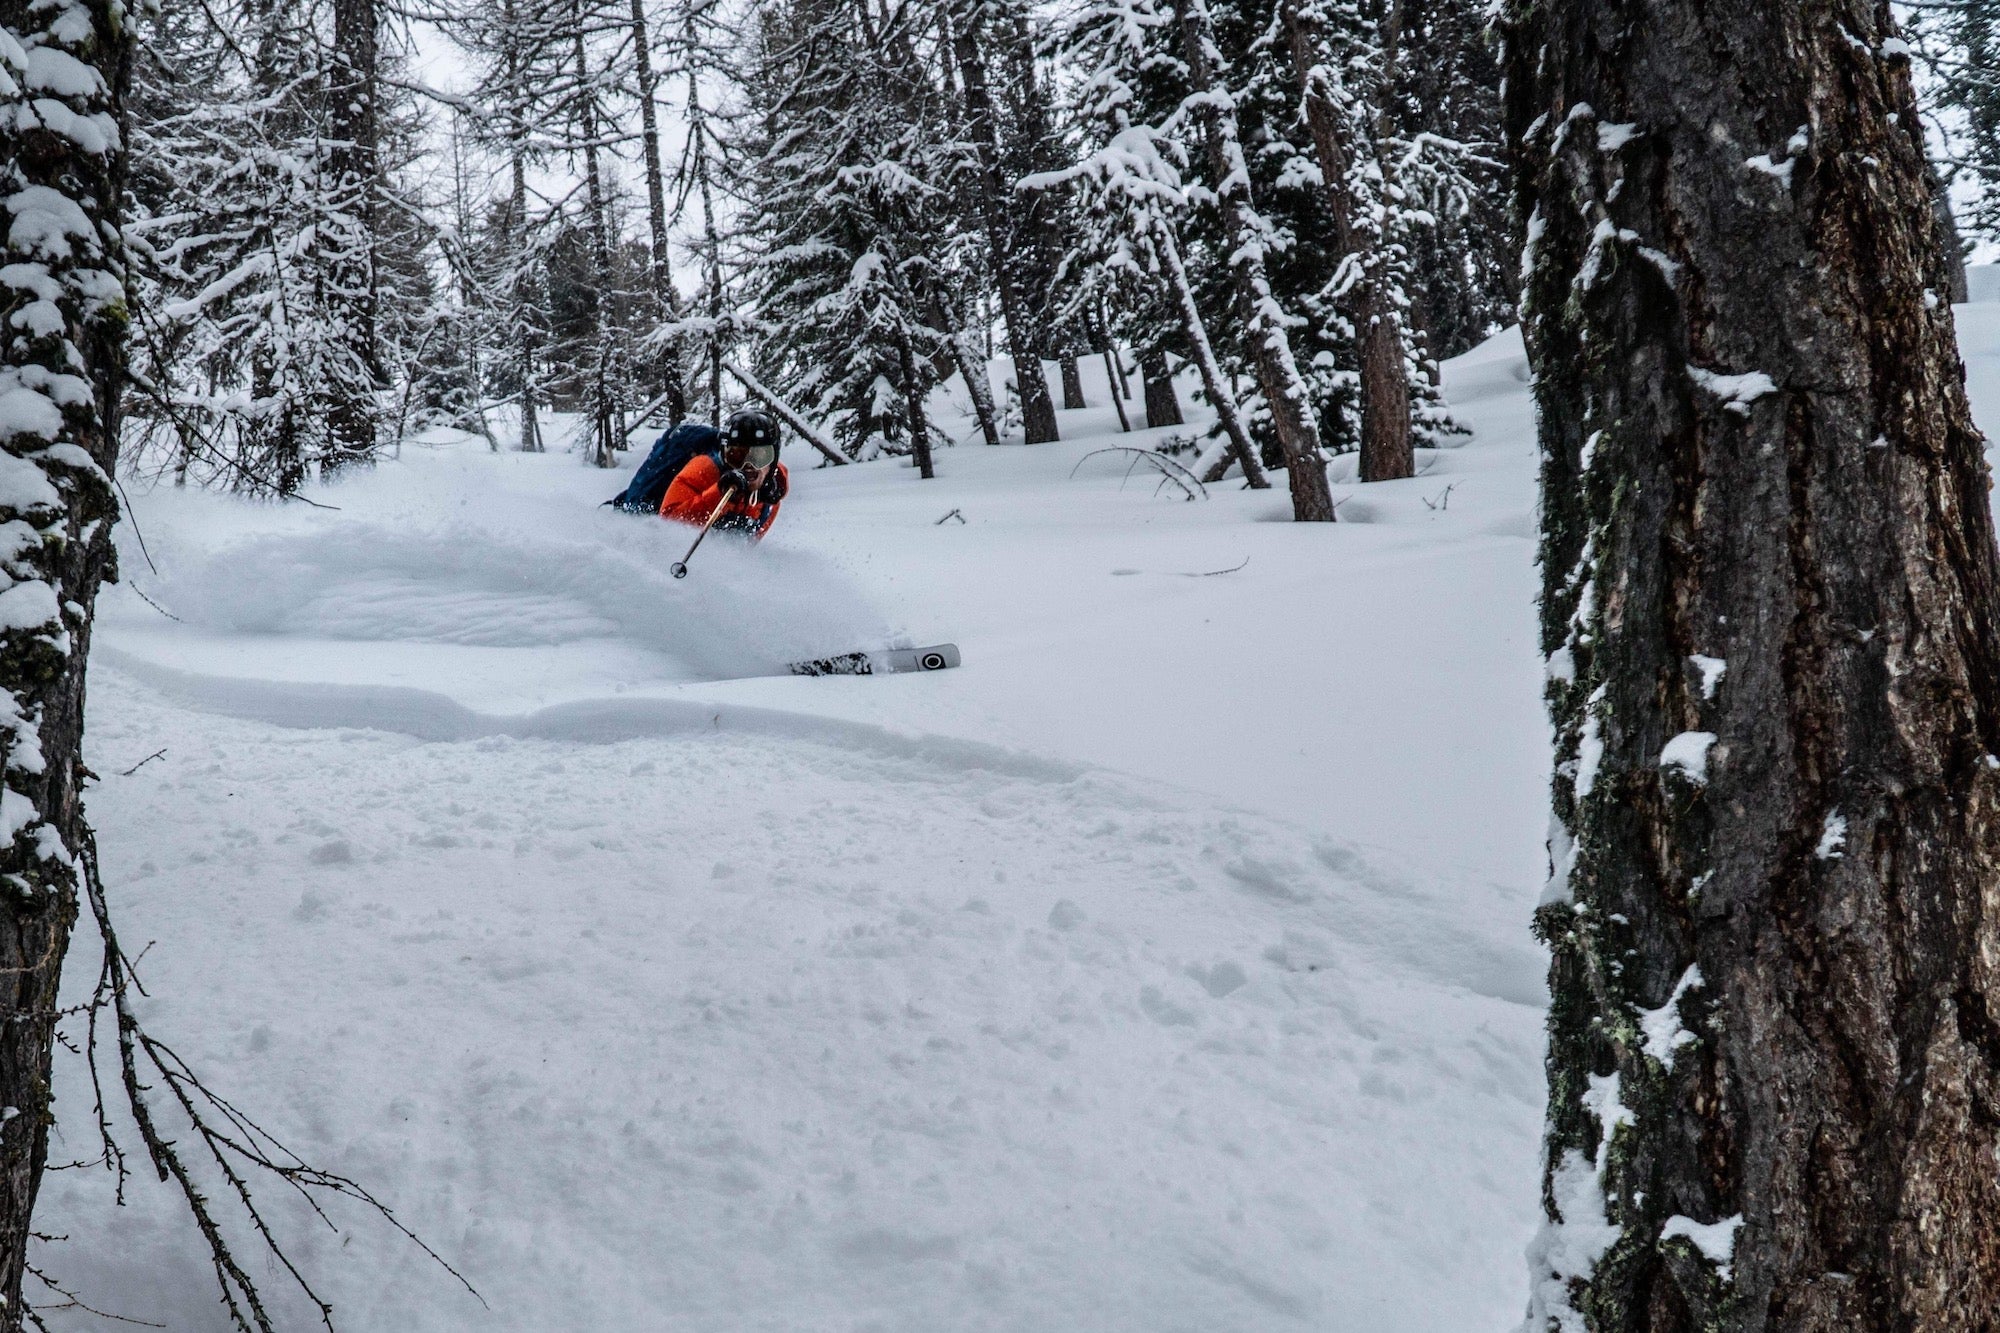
<point x="881" y="662"/>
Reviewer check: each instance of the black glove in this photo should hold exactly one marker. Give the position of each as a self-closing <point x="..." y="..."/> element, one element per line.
<point x="774" y="487"/>
<point x="742" y="524"/>
<point x="733" y="480"/>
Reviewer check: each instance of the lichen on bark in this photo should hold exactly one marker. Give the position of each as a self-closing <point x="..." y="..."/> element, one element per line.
<point x="1770" y="611"/>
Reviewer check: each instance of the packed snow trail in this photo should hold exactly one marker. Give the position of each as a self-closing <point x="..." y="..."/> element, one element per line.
<point x="1165" y="967"/>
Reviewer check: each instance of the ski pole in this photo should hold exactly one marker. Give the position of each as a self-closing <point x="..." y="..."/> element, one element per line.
<point x="679" y="568"/>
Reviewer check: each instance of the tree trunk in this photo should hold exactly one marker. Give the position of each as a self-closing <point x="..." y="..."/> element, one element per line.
<point x="1771" y="604"/>
<point x="63" y="367"/>
<point x="1111" y="378"/>
<point x="524" y="303"/>
<point x="1038" y="410"/>
<point x="1386" y="449"/>
<point x="977" y="386"/>
<point x="604" y="441"/>
<point x="711" y="247"/>
<point x="660" y="267"/>
<point x="1072" y="381"/>
<point x="1163" y="405"/>
<point x="963" y="356"/>
<point x="351" y="171"/>
<point x="913" y="405"/>
<point x="1220" y="397"/>
<point x="1270" y="345"/>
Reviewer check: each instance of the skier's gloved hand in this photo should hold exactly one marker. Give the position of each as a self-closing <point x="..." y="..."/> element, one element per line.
<point x="733" y="480"/>
<point x="742" y="524"/>
<point x="773" y="489"/>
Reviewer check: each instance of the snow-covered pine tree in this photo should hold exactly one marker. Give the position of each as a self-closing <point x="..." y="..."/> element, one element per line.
<point x="1340" y="63"/>
<point x="845" y="220"/>
<point x="63" y="69"/>
<point x="1212" y="105"/>
<point x="1445" y="100"/>
<point x="604" y="371"/>
<point x="1133" y="197"/>
<point x="345" y="234"/>
<point x="977" y="28"/>
<point x="658" y="221"/>
<point x="254" y="241"/>
<point x="519" y="49"/>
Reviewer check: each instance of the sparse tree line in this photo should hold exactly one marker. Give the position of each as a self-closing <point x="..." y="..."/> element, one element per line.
<point x="632" y="211"/>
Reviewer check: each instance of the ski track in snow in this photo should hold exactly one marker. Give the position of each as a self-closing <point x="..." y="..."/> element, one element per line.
<point x="1053" y="992"/>
<point x="732" y="1031"/>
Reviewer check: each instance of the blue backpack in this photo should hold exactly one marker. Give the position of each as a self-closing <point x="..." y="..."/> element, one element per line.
<point x="671" y="452"/>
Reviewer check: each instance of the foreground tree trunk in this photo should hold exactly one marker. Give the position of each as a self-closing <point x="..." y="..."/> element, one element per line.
<point x="1773" y="630"/>
<point x="60" y="371"/>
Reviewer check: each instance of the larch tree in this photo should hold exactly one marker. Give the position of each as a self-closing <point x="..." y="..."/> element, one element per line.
<point x="1771" y="608"/>
<point x="63" y="69"/>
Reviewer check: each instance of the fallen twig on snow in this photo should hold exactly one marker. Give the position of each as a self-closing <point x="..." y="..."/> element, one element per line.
<point x="1190" y="485"/>
<point x="1444" y="498"/>
<point x="157" y="754"/>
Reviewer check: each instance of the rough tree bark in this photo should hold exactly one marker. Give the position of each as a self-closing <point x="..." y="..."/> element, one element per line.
<point x="1072" y="380"/>
<point x="353" y="133"/>
<point x="1163" y="405"/>
<point x="1265" y="333"/>
<point x="1221" y="395"/>
<point x="913" y="406"/>
<point x="1772" y="613"/>
<point x="1038" y="410"/>
<point x="1386" y="450"/>
<point x="61" y="365"/>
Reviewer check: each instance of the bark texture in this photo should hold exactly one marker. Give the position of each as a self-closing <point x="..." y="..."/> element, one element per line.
<point x="61" y="365"/>
<point x="1038" y="409"/>
<point x="1770" y="610"/>
<point x="1163" y="405"/>
<point x="1269" y="343"/>
<point x="1341" y="147"/>
<point x="352" y="169"/>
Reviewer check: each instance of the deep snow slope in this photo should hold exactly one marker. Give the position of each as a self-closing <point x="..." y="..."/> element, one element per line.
<point x="1165" y="967"/>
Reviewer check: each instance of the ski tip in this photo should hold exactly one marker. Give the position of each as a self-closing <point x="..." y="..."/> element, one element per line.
<point x="937" y="657"/>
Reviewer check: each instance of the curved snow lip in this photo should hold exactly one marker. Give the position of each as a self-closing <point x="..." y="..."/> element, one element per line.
<point x="426" y="715"/>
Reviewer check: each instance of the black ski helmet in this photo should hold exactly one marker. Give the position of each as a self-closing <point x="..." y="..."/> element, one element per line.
<point x="751" y="429"/>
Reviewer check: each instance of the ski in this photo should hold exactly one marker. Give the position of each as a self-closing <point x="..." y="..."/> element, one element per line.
<point x="882" y="661"/>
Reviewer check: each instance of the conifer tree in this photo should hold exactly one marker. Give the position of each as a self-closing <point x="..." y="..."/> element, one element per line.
<point x="1771" y="608"/>
<point x="63" y="69"/>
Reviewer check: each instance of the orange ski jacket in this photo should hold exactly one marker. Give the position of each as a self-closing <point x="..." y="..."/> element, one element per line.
<point x="697" y="490"/>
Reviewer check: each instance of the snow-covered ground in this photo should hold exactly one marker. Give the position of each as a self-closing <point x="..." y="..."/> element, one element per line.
<point x="1165" y="967"/>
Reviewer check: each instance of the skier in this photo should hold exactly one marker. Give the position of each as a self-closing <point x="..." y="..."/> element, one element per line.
<point x="748" y="472"/>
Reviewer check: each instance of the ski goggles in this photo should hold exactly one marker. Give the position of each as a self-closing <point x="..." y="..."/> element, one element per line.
<point x="753" y="455"/>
